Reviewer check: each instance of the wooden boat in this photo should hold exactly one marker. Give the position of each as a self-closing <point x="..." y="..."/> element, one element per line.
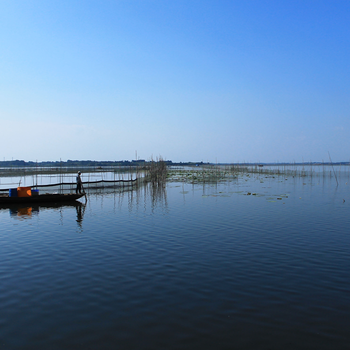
<point x="40" y="198"/>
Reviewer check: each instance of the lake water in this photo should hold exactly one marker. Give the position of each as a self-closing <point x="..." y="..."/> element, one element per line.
<point x="258" y="262"/>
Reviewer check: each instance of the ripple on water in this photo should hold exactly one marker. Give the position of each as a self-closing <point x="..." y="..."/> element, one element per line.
<point x="183" y="270"/>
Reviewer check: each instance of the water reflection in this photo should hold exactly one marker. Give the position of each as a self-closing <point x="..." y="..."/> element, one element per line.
<point x="143" y="197"/>
<point x="158" y="196"/>
<point x="80" y="214"/>
<point x="23" y="212"/>
<point x="136" y="198"/>
<point x="19" y="211"/>
<point x="155" y="194"/>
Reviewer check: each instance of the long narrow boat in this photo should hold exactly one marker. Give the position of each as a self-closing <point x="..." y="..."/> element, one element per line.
<point x="41" y="198"/>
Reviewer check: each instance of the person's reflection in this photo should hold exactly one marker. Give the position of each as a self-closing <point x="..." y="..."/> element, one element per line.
<point x="80" y="214"/>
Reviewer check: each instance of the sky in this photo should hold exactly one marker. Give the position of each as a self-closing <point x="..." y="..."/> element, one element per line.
<point x="185" y="80"/>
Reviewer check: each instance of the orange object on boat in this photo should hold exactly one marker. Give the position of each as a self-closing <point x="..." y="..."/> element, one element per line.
<point x="24" y="191"/>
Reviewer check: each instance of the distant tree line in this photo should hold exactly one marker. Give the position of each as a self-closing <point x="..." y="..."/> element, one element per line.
<point x="87" y="163"/>
<point x="69" y="163"/>
<point x="139" y="162"/>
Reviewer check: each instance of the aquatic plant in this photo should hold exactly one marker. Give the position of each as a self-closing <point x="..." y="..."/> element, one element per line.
<point x="156" y="171"/>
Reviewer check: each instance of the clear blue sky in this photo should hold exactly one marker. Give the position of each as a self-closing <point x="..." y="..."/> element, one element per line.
<point x="225" y="81"/>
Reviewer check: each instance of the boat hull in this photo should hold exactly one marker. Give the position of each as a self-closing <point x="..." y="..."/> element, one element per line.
<point x="42" y="198"/>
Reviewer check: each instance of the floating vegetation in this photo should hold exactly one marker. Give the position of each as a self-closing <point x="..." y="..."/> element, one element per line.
<point x="218" y="173"/>
<point x="208" y="174"/>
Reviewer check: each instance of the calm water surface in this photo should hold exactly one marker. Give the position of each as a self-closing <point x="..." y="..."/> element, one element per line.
<point x="255" y="263"/>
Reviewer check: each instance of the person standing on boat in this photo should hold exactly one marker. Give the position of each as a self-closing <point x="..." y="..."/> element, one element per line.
<point x="79" y="183"/>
